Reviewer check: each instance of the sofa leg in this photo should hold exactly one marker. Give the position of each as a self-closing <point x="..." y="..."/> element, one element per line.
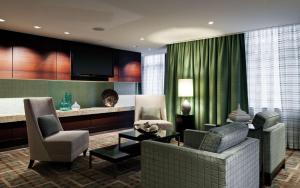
<point x="31" y="162"/>
<point x="69" y="165"/>
<point x="84" y="152"/>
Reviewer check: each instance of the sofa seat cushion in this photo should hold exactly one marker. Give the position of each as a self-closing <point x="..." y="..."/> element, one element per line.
<point x="48" y="125"/>
<point x="162" y="124"/>
<point x="266" y="119"/>
<point x="67" y="142"/>
<point x="221" y="138"/>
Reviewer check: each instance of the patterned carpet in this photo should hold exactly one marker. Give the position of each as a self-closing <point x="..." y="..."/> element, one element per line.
<point x="14" y="171"/>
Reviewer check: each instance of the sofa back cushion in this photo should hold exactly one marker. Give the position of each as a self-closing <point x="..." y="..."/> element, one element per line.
<point x="266" y="119"/>
<point x="150" y="113"/>
<point x="221" y="138"/>
<point x="48" y="125"/>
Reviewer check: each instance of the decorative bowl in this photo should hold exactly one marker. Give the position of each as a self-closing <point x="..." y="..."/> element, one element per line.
<point x="109" y="97"/>
<point x="146" y="128"/>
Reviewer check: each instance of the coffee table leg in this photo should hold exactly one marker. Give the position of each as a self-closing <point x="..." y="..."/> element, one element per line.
<point x="119" y="142"/>
<point x="115" y="170"/>
<point x="90" y="161"/>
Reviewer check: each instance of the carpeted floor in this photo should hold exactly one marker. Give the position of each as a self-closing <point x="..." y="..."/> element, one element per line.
<point x="14" y="171"/>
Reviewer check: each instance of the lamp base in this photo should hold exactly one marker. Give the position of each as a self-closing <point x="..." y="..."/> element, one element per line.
<point x="185" y="107"/>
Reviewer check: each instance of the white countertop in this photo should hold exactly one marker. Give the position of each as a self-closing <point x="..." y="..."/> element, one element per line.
<point x="6" y="118"/>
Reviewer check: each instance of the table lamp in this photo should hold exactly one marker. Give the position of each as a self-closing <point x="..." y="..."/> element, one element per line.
<point x="185" y="89"/>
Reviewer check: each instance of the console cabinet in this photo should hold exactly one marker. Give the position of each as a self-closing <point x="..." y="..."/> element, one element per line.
<point x="15" y="133"/>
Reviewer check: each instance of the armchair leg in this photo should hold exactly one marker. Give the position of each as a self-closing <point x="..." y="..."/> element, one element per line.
<point x="84" y="152"/>
<point x="31" y="162"/>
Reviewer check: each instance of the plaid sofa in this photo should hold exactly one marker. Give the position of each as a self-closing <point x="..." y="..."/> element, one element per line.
<point x="164" y="165"/>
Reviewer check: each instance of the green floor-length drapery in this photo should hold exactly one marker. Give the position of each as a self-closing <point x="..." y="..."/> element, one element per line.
<point x="218" y="69"/>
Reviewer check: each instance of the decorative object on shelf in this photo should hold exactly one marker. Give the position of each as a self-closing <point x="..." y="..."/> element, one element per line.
<point x="239" y="115"/>
<point x="185" y="89"/>
<point x="75" y="106"/>
<point x="109" y="97"/>
<point x="146" y="128"/>
<point x="66" y="102"/>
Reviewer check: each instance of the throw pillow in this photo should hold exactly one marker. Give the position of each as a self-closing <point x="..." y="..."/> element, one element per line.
<point x="48" y="125"/>
<point x="221" y="138"/>
<point x="150" y="113"/>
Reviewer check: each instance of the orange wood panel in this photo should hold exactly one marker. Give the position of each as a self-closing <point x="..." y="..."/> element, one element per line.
<point x="63" y="66"/>
<point x="131" y="72"/>
<point x="5" y="62"/>
<point x="29" y="63"/>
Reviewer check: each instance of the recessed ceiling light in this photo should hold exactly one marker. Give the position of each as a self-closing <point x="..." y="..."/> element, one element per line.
<point x="142" y="38"/>
<point x="211" y="22"/>
<point x="67" y="33"/>
<point x="37" y="27"/>
<point x="2" y="20"/>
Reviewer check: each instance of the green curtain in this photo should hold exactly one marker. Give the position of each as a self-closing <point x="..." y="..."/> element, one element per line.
<point x="218" y="69"/>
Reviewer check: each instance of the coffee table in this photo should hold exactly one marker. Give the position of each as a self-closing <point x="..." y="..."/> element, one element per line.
<point x="161" y="136"/>
<point x="122" y="151"/>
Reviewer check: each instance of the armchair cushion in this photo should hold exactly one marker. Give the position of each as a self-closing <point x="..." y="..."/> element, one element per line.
<point x="266" y="119"/>
<point x="48" y="125"/>
<point x="150" y="113"/>
<point x="221" y="138"/>
<point x="67" y="145"/>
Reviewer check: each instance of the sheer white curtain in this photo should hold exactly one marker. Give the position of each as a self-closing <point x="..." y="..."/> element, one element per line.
<point x="273" y="68"/>
<point x="153" y="74"/>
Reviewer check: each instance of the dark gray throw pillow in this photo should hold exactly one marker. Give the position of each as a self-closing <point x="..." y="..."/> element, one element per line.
<point x="266" y="119"/>
<point x="48" y="124"/>
<point x="221" y="138"/>
<point x="150" y="113"/>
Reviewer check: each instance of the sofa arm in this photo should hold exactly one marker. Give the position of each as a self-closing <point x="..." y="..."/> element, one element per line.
<point x="274" y="146"/>
<point x="193" y="138"/>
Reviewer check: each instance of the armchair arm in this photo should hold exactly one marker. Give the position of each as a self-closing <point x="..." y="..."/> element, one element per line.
<point x="274" y="146"/>
<point x="193" y="138"/>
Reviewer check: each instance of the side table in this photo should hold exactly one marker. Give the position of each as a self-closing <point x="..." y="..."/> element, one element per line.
<point x="184" y="122"/>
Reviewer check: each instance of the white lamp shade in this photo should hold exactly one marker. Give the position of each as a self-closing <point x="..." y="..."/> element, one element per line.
<point x="185" y="88"/>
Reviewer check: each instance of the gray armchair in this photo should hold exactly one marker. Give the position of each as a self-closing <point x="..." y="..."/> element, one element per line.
<point x="273" y="143"/>
<point x="165" y="165"/>
<point x="63" y="146"/>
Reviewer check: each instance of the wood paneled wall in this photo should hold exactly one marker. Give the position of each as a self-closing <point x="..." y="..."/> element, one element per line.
<point x="127" y="67"/>
<point x="25" y="56"/>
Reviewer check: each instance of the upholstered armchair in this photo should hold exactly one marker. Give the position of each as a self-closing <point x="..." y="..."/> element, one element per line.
<point x="148" y="103"/>
<point x="167" y="165"/>
<point x="61" y="146"/>
<point x="273" y="143"/>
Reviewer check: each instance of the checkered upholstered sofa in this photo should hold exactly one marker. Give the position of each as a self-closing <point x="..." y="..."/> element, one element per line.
<point x="166" y="165"/>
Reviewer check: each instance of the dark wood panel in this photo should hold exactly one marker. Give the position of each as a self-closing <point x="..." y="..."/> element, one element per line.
<point x="63" y="65"/>
<point x="5" y="61"/>
<point x="129" y="64"/>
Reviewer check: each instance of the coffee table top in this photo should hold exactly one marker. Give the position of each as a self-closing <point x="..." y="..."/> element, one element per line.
<point x="136" y="135"/>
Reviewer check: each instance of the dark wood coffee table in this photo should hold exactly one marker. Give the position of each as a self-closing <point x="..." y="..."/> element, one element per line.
<point x="161" y="136"/>
<point x="122" y="151"/>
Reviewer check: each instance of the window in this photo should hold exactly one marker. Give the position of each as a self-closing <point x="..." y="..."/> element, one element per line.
<point x="153" y="74"/>
<point x="273" y="67"/>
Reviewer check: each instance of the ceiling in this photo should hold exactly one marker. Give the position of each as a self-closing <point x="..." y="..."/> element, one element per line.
<point x="159" y="22"/>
